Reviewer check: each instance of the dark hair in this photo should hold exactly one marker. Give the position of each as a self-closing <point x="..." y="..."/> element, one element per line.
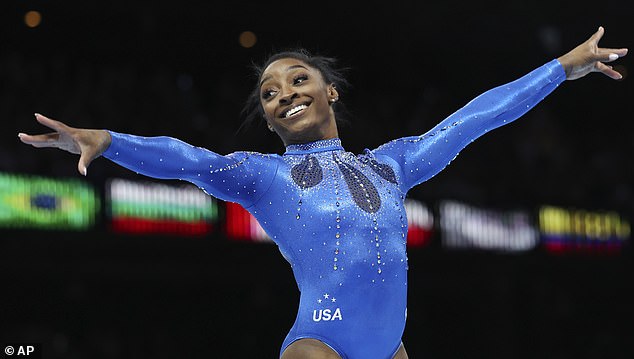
<point x="327" y="67"/>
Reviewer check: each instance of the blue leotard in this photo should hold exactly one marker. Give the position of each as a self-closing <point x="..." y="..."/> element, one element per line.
<point x="338" y="218"/>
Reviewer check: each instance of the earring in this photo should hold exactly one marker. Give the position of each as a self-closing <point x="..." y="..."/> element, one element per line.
<point x="333" y="100"/>
<point x="270" y="127"/>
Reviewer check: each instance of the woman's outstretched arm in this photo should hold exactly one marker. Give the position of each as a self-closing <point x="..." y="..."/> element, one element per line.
<point x="418" y="158"/>
<point x="240" y="177"/>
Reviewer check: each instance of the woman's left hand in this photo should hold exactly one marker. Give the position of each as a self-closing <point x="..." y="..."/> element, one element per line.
<point x="589" y="57"/>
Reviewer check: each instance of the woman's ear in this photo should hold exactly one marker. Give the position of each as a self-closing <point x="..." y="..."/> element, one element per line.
<point x="333" y="95"/>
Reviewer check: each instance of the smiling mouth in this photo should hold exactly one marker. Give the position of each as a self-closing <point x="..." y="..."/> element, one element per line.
<point x="295" y="110"/>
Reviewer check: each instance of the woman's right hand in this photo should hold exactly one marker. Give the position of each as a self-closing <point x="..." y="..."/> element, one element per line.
<point x="88" y="144"/>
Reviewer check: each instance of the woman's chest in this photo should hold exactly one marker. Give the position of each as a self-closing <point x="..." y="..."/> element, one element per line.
<point x="332" y="190"/>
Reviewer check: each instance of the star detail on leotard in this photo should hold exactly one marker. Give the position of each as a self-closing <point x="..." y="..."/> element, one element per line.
<point x="326" y="296"/>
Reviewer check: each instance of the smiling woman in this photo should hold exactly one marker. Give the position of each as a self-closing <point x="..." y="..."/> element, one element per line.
<point x="280" y="76"/>
<point x="296" y="102"/>
<point x="338" y="218"/>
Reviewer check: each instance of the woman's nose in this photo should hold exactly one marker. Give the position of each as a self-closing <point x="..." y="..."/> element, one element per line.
<point x="288" y="98"/>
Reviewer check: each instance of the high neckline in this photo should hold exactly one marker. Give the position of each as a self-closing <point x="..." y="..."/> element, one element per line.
<point x="331" y="144"/>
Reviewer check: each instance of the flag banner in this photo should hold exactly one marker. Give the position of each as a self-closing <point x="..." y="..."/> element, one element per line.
<point x="465" y="226"/>
<point x="578" y="230"/>
<point x="44" y="203"/>
<point x="159" y="208"/>
<point x="420" y="223"/>
<point x="241" y="225"/>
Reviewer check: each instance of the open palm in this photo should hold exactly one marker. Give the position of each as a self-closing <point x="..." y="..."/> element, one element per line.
<point x="88" y="144"/>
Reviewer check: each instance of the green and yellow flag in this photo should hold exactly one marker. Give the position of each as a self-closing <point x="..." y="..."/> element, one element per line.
<point x="44" y="203"/>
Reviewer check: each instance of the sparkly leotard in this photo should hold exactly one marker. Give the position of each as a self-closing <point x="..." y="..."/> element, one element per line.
<point x="338" y="218"/>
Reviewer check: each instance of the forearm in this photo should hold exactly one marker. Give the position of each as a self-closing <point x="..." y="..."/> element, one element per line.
<point x="506" y="103"/>
<point x="422" y="157"/>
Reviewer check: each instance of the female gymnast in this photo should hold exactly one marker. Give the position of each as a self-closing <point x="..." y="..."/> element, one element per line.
<point x="338" y="218"/>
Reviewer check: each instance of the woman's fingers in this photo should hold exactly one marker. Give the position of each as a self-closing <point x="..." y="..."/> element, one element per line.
<point x="64" y="138"/>
<point x="82" y="165"/>
<point x="609" y="55"/>
<point x="597" y="35"/>
<point x="45" y="140"/>
<point x="50" y="123"/>
<point x="608" y="71"/>
<point x="589" y="57"/>
<point x="89" y="144"/>
<point x="605" y="54"/>
<point x="87" y="154"/>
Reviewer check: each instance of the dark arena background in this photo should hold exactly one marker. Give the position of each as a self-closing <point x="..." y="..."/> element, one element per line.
<point x="520" y="248"/>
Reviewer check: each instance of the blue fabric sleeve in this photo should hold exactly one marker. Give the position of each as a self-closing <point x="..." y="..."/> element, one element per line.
<point x="240" y="177"/>
<point x="418" y="158"/>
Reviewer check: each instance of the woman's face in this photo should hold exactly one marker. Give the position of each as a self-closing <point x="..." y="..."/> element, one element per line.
<point x="297" y="102"/>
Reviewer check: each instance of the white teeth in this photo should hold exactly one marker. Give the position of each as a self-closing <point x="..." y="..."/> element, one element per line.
<point x="294" y="110"/>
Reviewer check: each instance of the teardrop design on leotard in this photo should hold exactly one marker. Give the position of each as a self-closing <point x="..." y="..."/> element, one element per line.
<point x="307" y="173"/>
<point x="363" y="192"/>
<point x="385" y="171"/>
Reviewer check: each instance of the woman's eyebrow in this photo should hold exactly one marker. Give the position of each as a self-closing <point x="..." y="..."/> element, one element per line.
<point x="292" y="67"/>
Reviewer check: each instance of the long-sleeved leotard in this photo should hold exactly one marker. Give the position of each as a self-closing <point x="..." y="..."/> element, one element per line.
<point x="338" y="218"/>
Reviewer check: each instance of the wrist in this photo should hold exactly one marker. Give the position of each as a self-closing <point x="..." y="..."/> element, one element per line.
<point x="566" y="65"/>
<point x="105" y="140"/>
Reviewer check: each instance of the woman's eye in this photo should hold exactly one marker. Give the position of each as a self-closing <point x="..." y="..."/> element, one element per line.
<point x="267" y="94"/>
<point x="299" y="79"/>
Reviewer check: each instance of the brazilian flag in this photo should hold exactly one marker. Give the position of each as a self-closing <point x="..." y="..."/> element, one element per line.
<point x="45" y="203"/>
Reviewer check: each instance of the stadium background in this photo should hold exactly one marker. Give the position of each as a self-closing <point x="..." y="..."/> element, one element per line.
<point x="84" y="287"/>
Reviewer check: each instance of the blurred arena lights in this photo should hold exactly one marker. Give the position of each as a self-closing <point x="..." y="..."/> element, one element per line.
<point x="420" y="223"/>
<point x="149" y="207"/>
<point x="46" y="203"/>
<point x="33" y="18"/>
<point x="578" y="230"/>
<point x="247" y="39"/>
<point x="468" y="227"/>
<point x="242" y="225"/>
